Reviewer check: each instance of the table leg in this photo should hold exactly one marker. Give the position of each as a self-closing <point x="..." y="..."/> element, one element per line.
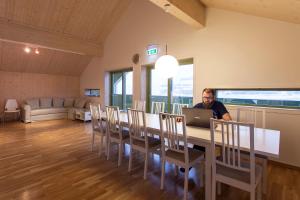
<point x="207" y="172"/>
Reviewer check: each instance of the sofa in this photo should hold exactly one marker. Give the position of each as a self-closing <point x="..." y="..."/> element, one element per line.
<point x="39" y="109"/>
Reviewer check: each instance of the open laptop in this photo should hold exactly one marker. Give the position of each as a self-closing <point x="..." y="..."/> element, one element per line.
<point x="197" y="117"/>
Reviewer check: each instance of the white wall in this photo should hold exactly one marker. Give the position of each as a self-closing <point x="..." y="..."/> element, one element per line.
<point x="233" y="51"/>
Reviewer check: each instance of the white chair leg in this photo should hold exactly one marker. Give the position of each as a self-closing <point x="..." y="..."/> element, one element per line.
<point x="219" y="188"/>
<point x="252" y="194"/>
<point x="120" y="154"/>
<point x="186" y="182"/>
<point x="130" y="159"/>
<point x="105" y="143"/>
<point x="108" y="149"/>
<point x="265" y="176"/>
<point x="101" y="145"/>
<point x="162" y="178"/>
<point x="146" y="165"/>
<point x="213" y="188"/>
<point x="93" y="139"/>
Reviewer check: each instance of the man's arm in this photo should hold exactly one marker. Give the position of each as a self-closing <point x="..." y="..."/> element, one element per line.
<point x="226" y="117"/>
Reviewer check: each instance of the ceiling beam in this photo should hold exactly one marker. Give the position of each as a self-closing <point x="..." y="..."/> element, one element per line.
<point x="192" y="12"/>
<point x="40" y="38"/>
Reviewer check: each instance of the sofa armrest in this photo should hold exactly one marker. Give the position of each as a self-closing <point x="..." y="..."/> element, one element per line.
<point x="26" y="113"/>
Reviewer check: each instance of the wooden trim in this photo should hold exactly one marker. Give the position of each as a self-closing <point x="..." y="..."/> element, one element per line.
<point x="39" y="38"/>
<point x="191" y="12"/>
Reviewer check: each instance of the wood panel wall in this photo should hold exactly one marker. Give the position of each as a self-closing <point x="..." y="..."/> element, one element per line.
<point x="22" y="86"/>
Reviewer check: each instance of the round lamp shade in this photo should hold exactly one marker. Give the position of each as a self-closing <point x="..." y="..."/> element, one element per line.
<point x="167" y="65"/>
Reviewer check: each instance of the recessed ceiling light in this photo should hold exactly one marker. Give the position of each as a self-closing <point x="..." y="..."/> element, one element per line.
<point x="27" y="49"/>
<point x="37" y="51"/>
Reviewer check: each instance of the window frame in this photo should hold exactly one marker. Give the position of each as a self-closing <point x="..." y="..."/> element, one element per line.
<point x="149" y="67"/>
<point x="259" y="89"/>
<point x="123" y="71"/>
<point x="90" y="92"/>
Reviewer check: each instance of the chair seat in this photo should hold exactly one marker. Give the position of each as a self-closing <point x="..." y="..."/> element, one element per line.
<point x="125" y="135"/>
<point x="152" y="142"/>
<point x="99" y="130"/>
<point x="193" y="154"/>
<point x="238" y="174"/>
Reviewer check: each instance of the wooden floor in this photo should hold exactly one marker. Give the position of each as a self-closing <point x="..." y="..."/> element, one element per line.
<point x="52" y="160"/>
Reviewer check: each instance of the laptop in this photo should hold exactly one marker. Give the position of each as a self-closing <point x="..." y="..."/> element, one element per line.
<point x="197" y="117"/>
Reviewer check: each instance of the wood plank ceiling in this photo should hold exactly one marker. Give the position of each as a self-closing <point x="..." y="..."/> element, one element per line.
<point x="88" y="22"/>
<point x="284" y="10"/>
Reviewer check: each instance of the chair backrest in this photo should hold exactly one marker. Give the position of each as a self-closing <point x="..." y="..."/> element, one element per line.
<point x="230" y="145"/>
<point x="139" y="105"/>
<point x="137" y="124"/>
<point x="11" y="104"/>
<point x="254" y="115"/>
<point x="173" y="130"/>
<point x="96" y="116"/>
<point x="113" y="120"/>
<point x="157" y="107"/>
<point x="177" y="108"/>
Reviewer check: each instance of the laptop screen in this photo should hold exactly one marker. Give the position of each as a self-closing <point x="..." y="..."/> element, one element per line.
<point x="197" y="117"/>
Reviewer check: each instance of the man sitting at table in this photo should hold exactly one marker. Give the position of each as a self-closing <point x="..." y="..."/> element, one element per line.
<point x="218" y="108"/>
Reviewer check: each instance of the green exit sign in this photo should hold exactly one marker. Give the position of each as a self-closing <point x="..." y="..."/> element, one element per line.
<point x="152" y="51"/>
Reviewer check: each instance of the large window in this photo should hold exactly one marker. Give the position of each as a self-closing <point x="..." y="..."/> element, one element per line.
<point x="178" y="89"/>
<point x="282" y="98"/>
<point x="121" y="89"/>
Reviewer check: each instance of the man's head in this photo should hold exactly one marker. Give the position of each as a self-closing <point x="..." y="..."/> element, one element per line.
<point x="208" y="97"/>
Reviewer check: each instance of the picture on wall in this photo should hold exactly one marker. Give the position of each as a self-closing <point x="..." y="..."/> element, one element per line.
<point x="92" y="92"/>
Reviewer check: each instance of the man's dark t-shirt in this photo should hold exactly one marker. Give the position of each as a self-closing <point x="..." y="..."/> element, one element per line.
<point x="218" y="109"/>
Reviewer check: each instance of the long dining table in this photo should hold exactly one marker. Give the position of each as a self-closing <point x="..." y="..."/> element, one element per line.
<point x="266" y="142"/>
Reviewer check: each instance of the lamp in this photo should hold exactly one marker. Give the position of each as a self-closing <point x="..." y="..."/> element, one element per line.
<point x="167" y="65"/>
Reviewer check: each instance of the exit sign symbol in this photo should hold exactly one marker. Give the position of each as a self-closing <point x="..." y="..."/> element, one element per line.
<point x="152" y="51"/>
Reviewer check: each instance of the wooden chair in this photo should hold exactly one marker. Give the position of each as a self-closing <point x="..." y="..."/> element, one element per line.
<point x="11" y="107"/>
<point x="257" y="116"/>
<point x="229" y="167"/>
<point x="97" y="125"/>
<point x="181" y="155"/>
<point x="157" y="107"/>
<point x="139" y="105"/>
<point x="251" y="115"/>
<point x="139" y="138"/>
<point x="115" y="132"/>
<point x="177" y="108"/>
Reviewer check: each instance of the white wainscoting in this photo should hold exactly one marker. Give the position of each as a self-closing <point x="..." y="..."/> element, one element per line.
<point x="288" y="122"/>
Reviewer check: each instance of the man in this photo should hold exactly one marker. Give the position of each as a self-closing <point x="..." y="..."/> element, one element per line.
<point x="218" y="108"/>
<point x="209" y="102"/>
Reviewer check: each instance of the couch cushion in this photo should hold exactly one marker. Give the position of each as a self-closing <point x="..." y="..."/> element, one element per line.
<point x="58" y="102"/>
<point x="68" y="103"/>
<point x="45" y="102"/>
<point x="34" y="103"/>
<point x="79" y="103"/>
<point x="48" y="111"/>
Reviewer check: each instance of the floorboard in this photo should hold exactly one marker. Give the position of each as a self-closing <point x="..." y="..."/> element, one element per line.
<point x="52" y="160"/>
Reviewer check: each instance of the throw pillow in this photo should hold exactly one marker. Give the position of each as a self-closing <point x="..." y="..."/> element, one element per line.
<point x="34" y="103"/>
<point x="58" y="102"/>
<point x="45" y="102"/>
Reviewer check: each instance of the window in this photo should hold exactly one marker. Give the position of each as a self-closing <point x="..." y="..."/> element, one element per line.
<point x="92" y="92"/>
<point x="282" y="98"/>
<point x="121" y="89"/>
<point x="178" y="89"/>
